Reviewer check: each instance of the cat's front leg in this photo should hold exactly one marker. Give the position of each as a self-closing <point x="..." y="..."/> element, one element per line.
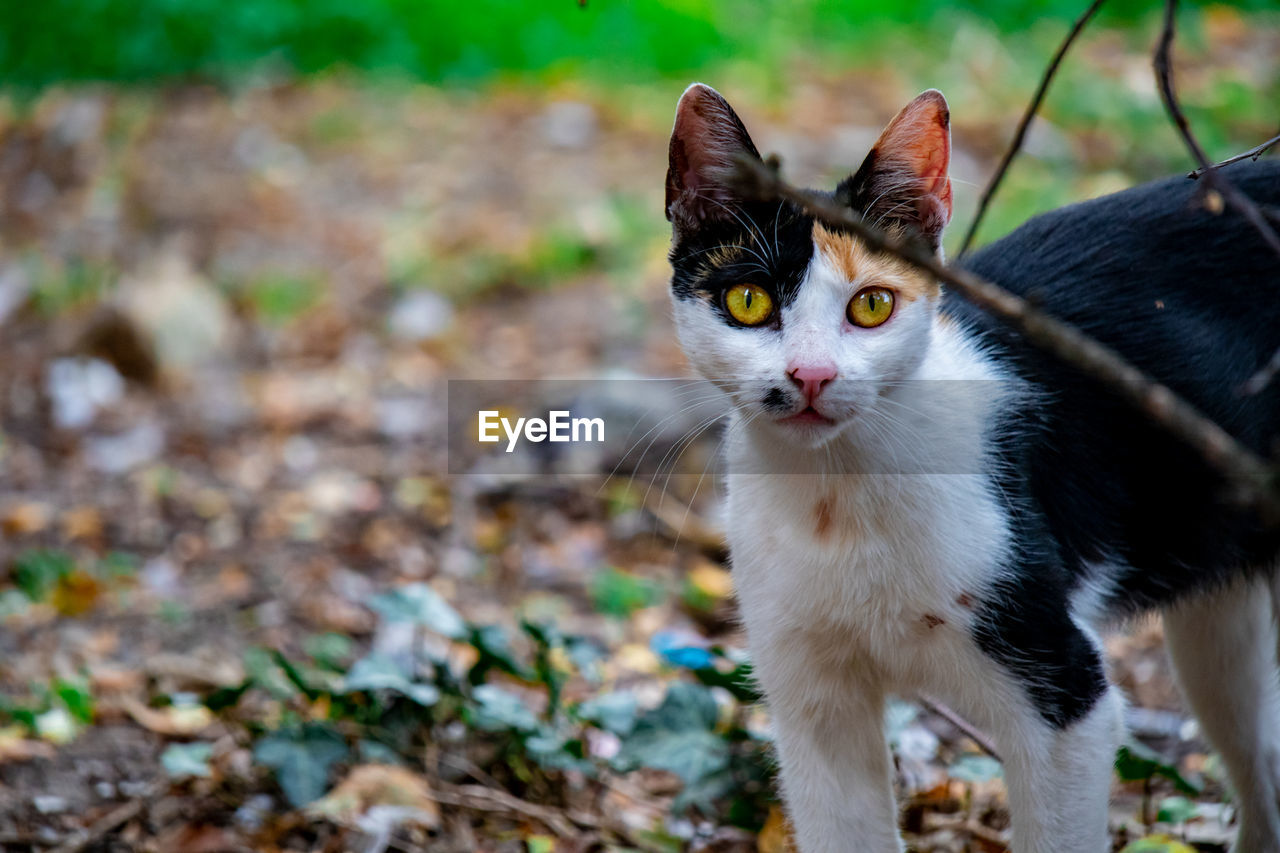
<point x="836" y="770"/>
<point x="1059" y="779"/>
<point x="1040" y="689"/>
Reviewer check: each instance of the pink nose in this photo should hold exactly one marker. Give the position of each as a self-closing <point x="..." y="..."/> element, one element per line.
<point x="812" y="378"/>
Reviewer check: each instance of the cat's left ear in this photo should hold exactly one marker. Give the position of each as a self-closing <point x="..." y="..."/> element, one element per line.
<point x="706" y="138"/>
<point x="904" y="178"/>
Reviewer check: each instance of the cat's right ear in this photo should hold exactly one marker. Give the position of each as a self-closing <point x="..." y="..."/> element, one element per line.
<point x="707" y="136"/>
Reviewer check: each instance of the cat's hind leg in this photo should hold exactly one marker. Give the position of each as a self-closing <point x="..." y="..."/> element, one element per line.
<point x="1223" y="647"/>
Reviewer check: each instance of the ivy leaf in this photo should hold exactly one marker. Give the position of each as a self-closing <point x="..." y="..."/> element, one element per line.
<point x="614" y="712"/>
<point x="301" y="757"/>
<point x="690" y="754"/>
<point x="421" y="605"/>
<point x="181" y="760"/>
<point x="685" y="707"/>
<point x="497" y="709"/>
<point x="262" y="670"/>
<point x="78" y="698"/>
<point x="380" y="672"/>
<point x="37" y="572"/>
<point x="1136" y="762"/>
<point x="1176" y="810"/>
<point x="494" y="646"/>
<point x="975" y="768"/>
<point x="679" y="736"/>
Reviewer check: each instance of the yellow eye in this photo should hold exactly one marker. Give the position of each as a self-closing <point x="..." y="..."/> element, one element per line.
<point x="749" y="304"/>
<point x="870" y="307"/>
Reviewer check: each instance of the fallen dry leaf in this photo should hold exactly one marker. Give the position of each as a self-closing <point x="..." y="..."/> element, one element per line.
<point x="174" y="720"/>
<point x="378" y="794"/>
<point x="776" y="836"/>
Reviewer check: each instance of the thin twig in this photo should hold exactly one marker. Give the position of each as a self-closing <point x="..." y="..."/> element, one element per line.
<point x="984" y="743"/>
<point x="106" y="824"/>
<point x="1027" y="116"/>
<point x="480" y="798"/>
<point x="1252" y="154"/>
<point x="1213" y="178"/>
<point x="1243" y="469"/>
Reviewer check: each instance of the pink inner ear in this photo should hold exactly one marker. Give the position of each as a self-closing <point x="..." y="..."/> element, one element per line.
<point x="920" y="138"/>
<point x="704" y="147"/>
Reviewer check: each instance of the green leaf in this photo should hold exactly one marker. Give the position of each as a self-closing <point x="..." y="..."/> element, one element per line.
<point x="421" y="605"/>
<point x="1176" y="810"/>
<point x="380" y="672"/>
<point x="679" y="735"/>
<point x="614" y="712"/>
<point x="329" y="650"/>
<point x="301" y="757"/>
<point x="227" y="697"/>
<point x="494" y="646"/>
<point x="618" y="593"/>
<point x="77" y="697"/>
<point x="181" y="760"/>
<point x="739" y="681"/>
<point x="974" y="768"/>
<point x="37" y="572"/>
<point x="1136" y="762"/>
<point x="261" y="668"/>
<point x="497" y="709"/>
<point x="685" y="707"/>
<point x="295" y="676"/>
<point x="690" y="754"/>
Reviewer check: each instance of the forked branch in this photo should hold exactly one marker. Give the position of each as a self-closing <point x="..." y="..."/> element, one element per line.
<point x="1252" y="154"/>
<point x="1214" y="179"/>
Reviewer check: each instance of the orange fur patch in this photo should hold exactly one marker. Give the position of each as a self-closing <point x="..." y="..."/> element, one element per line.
<point x="858" y="263"/>
<point x="932" y="621"/>
<point x="822" y="518"/>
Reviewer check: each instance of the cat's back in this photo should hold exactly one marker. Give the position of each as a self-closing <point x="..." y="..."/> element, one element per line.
<point x="1182" y="287"/>
<point x="1189" y="293"/>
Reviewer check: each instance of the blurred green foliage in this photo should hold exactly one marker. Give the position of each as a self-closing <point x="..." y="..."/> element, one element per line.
<point x="143" y="40"/>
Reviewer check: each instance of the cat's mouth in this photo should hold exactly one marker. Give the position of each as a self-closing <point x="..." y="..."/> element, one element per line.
<point x="807" y="415"/>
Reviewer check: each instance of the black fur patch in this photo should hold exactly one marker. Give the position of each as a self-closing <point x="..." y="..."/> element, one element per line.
<point x="777" y="400"/>
<point x="770" y="245"/>
<point x="1192" y="299"/>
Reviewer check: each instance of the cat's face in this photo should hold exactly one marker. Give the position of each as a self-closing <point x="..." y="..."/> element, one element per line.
<point x="801" y="326"/>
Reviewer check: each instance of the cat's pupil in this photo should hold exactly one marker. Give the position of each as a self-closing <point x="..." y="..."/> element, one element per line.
<point x="747" y="300"/>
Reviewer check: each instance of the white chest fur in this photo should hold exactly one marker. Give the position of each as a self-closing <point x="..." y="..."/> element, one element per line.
<point x="876" y="549"/>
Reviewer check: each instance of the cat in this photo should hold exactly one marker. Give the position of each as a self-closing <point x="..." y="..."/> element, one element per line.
<point x="918" y="501"/>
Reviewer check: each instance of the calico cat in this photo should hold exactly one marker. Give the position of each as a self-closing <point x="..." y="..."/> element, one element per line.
<point x="920" y="501"/>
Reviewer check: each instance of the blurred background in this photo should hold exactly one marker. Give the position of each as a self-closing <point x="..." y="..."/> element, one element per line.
<point x="245" y="244"/>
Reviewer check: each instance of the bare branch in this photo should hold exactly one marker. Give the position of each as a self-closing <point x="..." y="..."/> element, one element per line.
<point x="1213" y="178"/>
<point x="1020" y="135"/>
<point x="1244" y="470"/>
<point x="967" y="728"/>
<point x="1252" y="154"/>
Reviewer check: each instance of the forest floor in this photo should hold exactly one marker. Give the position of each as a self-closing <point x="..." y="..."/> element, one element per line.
<point x="234" y="571"/>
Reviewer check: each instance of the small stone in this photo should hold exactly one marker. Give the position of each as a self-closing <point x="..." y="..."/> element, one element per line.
<point x="569" y="124"/>
<point x="78" y="388"/>
<point x="420" y="315"/>
<point x="50" y="803"/>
